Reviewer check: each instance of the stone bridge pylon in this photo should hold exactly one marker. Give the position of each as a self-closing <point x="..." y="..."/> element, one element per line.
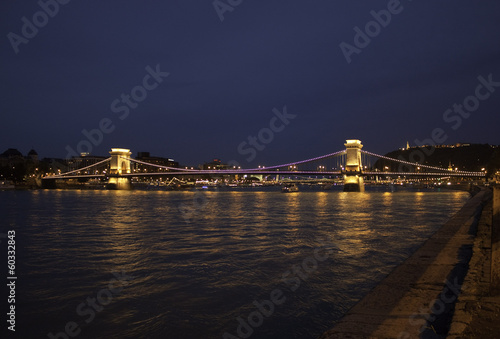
<point x="353" y="179"/>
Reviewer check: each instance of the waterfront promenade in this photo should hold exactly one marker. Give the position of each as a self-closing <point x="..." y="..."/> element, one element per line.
<point x="477" y="312"/>
<point x="419" y="298"/>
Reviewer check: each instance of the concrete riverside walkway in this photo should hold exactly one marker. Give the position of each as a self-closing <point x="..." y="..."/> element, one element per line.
<point x="477" y="312"/>
<point x="417" y="299"/>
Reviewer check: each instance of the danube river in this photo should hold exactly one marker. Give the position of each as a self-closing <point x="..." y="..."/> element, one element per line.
<point x="216" y="264"/>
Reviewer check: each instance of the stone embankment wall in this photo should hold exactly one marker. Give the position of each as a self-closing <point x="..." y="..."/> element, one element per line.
<point x="417" y="299"/>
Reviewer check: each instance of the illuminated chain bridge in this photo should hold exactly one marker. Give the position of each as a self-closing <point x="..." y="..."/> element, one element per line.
<point x="351" y="163"/>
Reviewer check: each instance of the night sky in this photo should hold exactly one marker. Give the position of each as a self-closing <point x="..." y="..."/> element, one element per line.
<point x="225" y="78"/>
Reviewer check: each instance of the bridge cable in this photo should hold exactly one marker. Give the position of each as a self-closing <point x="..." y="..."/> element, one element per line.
<point x="240" y="170"/>
<point x="419" y="165"/>
<point x="78" y="170"/>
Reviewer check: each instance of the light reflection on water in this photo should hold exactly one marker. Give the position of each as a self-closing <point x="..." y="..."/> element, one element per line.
<point x="193" y="279"/>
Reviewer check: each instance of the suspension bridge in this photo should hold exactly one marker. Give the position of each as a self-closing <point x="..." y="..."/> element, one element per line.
<point x="352" y="164"/>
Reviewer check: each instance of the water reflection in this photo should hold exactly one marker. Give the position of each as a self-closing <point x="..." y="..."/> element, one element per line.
<point x="199" y="276"/>
<point x="321" y="203"/>
<point x="291" y="208"/>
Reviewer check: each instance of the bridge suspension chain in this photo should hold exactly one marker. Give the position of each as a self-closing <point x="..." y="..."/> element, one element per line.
<point x="82" y="169"/>
<point x="299" y="162"/>
<point x="417" y="164"/>
<point x="160" y="166"/>
<point x="241" y="170"/>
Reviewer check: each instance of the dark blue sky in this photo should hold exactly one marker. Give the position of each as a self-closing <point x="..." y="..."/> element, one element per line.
<point x="226" y="77"/>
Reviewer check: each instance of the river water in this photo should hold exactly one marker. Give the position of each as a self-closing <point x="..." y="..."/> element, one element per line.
<point x="153" y="264"/>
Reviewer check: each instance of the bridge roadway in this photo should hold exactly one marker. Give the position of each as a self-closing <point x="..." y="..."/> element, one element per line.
<point x="271" y="172"/>
<point x="326" y="173"/>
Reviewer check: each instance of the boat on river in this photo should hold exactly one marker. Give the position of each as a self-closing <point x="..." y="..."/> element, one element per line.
<point x="289" y="188"/>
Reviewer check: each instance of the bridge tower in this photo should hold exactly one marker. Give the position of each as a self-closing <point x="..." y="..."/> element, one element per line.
<point x="353" y="180"/>
<point x="119" y="165"/>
